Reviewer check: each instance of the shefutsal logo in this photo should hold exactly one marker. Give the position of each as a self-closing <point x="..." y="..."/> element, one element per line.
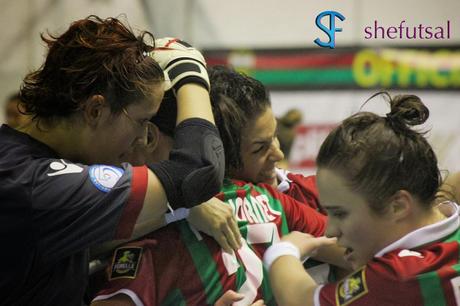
<point x="330" y="31"/>
<point x="404" y="31"/>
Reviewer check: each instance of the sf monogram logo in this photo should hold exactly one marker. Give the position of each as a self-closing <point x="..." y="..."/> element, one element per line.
<point x="330" y="31"/>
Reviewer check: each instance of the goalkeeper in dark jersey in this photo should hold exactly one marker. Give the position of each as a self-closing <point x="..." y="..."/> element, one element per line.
<point x="64" y="187"/>
<point x="199" y="271"/>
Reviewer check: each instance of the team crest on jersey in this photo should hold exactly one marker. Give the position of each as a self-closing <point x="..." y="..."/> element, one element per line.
<point x="104" y="177"/>
<point x="125" y="262"/>
<point x="351" y="288"/>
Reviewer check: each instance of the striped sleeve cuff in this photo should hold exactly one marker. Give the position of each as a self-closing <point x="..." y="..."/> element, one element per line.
<point x="134" y="204"/>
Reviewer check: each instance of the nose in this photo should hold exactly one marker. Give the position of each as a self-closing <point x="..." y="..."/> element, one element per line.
<point x="143" y="138"/>
<point x="332" y="230"/>
<point x="275" y="152"/>
<point x="143" y="134"/>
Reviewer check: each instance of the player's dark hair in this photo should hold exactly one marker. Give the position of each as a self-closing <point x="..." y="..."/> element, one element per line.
<point x="379" y="156"/>
<point x="236" y="99"/>
<point x="93" y="57"/>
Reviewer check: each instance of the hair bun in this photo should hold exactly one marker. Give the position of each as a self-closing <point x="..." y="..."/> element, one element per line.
<point x="408" y="109"/>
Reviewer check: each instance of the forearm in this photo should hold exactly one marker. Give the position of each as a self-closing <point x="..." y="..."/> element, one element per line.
<point x="195" y="169"/>
<point x="141" y="229"/>
<point x="290" y="283"/>
<point x="193" y="102"/>
<point x="155" y="202"/>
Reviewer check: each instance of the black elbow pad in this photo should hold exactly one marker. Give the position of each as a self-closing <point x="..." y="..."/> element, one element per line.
<point x="195" y="170"/>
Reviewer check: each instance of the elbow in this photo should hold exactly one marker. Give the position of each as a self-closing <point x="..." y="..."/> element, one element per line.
<point x="207" y="177"/>
<point x="205" y="182"/>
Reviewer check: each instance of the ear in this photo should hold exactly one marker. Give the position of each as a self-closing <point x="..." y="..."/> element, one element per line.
<point x="93" y="109"/>
<point x="401" y="205"/>
<point x="153" y="137"/>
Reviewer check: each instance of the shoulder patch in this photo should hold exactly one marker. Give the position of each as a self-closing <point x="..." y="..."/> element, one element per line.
<point x="105" y="177"/>
<point x="125" y="262"/>
<point x="351" y="288"/>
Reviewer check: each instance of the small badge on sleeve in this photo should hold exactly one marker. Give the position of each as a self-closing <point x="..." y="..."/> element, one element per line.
<point x="105" y="177"/>
<point x="351" y="288"/>
<point x="125" y="262"/>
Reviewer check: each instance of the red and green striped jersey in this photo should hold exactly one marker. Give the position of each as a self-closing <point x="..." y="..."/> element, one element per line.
<point x="422" y="268"/>
<point x="178" y="266"/>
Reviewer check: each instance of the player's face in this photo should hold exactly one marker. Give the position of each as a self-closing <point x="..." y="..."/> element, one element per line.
<point x="259" y="150"/>
<point x="118" y="135"/>
<point x="350" y="219"/>
<point x="158" y="149"/>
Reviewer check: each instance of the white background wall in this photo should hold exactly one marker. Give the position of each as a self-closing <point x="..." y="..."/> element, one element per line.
<point x="242" y="24"/>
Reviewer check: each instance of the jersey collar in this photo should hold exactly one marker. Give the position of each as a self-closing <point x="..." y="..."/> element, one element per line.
<point x="430" y="232"/>
<point x="284" y="181"/>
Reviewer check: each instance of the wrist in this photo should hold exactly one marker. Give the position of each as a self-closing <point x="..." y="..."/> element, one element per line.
<point x="200" y="81"/>
<point x="191" y="89"/>
<point x="278" y="250"/>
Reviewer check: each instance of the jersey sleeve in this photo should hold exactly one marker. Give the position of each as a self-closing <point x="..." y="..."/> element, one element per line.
<point x="300" y="217"/>
<point x="303" y="218"/>
<point x="304" y="189"/>
<point x="75" y="206"/>
<point x="147" y="270"/>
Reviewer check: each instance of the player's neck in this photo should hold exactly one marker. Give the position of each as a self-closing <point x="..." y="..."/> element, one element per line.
<point x="59" y="136"/>
<point x="424" y="217"/>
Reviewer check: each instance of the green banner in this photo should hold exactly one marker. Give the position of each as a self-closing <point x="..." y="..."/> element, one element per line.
<point x="348" y="68"/>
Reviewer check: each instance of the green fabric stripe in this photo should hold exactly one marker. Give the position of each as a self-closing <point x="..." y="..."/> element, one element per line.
<point x="431" y="289"/>
<point x="228" y="189"/>
<point x="267" y="291"/>
<point x="455" y="236"/>
<point x="456" y="268"/>
<point x="276" y="205"/>
<point x="204" y="263"/>
<point x="240" y="275"/>
<point x="310" y="76"/>
<point x="284" y="225"/>
<point x="175" y="298"/>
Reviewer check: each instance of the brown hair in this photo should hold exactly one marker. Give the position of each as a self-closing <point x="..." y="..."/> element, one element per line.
<point x="380" y="155"/>
<point x="236" y="99"/>
<point x="93" y="57"/>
